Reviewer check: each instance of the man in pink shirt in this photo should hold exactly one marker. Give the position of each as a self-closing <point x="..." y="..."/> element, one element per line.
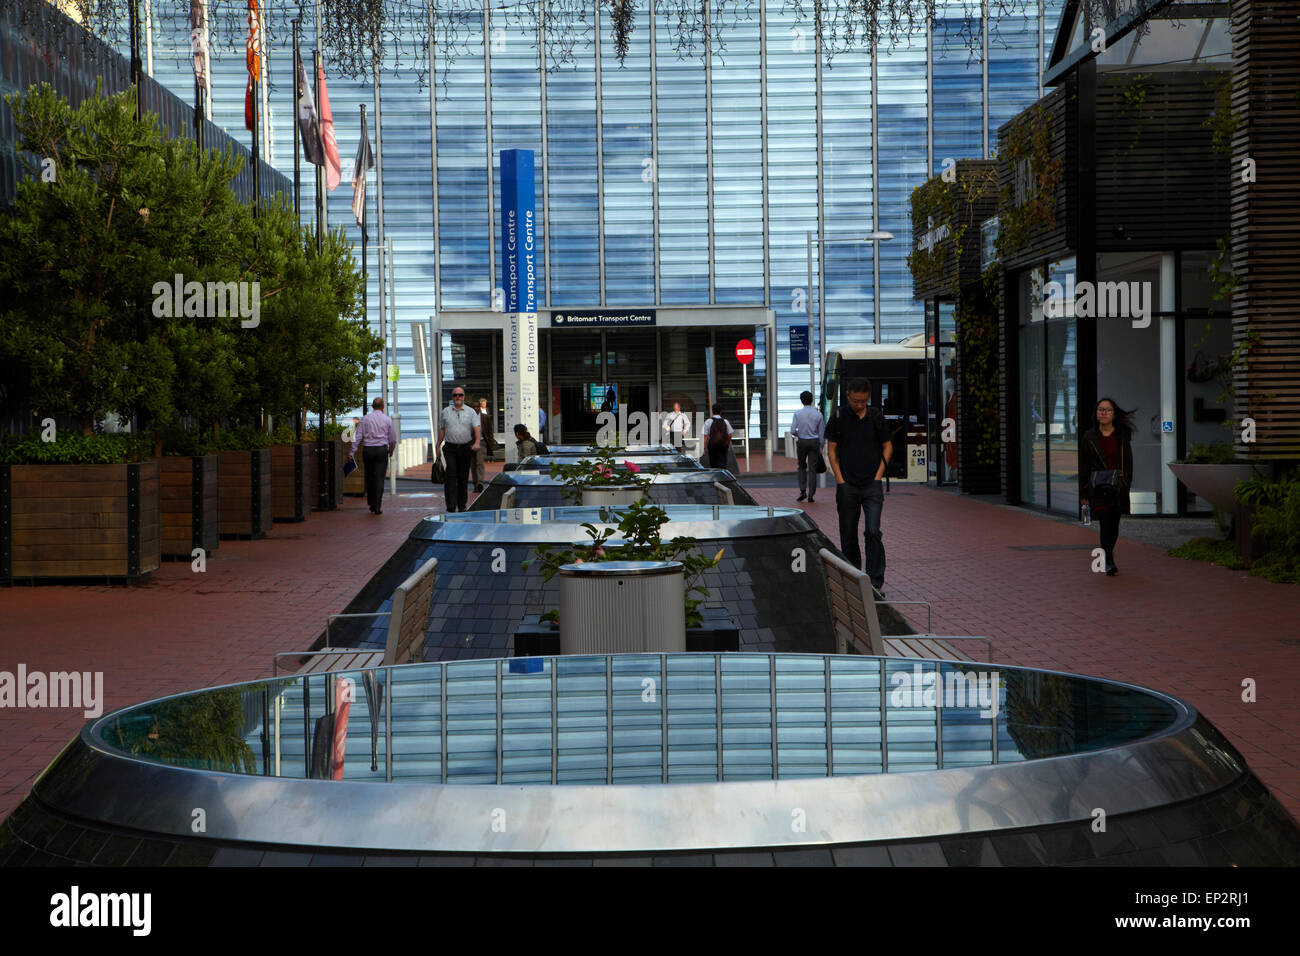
<point x="378" y="439"/>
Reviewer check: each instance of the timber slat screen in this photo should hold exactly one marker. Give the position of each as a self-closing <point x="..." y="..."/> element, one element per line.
<point x="1266" y="222"/>
<point x="247" y="497"/>
<point x="1060" y="111"/>
<point x="190" y="505"/>
<point x="1159" y="179"/>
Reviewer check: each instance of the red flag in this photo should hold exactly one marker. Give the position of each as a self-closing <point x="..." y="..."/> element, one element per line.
<point x="333" y="168"/>
<point x="253" y="57"/>
<point x="344" y="691"/>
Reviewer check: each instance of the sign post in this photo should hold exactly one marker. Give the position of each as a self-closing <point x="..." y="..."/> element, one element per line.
<point x="745" y="355"/>
<point x="519" y="282"/>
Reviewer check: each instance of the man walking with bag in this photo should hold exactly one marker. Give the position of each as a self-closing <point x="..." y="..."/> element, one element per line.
<point x="378" y="439"/>
<point x="859" y="447"/>
<point x="460" y="427"/>
<point x="809" y="429"/>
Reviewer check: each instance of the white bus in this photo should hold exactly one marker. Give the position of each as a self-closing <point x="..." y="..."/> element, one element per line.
<point x="898" y="389"/>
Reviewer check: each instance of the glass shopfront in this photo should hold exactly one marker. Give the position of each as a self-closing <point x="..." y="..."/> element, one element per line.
<point x="1049" y="419"/>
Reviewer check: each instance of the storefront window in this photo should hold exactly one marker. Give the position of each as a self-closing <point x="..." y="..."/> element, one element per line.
<point x="1049" y="415"/>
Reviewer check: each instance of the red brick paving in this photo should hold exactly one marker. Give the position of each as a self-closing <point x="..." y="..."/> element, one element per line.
<point x="1186" y="628"/>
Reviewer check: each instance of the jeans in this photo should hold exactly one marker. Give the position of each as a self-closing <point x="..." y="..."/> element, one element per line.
<point x="375" y="460"/>
<point x="850" y="500"/>
<point x="459" y="458"/>
<point x="810" y="452"/>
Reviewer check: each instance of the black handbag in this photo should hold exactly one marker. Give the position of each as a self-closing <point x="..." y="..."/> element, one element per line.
<point x="439" y="474"/>
<point x="821" y="464"/>
<point x="1105" y="486"/>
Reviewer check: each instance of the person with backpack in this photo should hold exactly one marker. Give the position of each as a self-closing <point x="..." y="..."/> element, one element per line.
<point x="717" y="438"/>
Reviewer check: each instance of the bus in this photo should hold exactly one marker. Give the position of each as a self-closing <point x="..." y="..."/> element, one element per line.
<point x="898" y="389"/>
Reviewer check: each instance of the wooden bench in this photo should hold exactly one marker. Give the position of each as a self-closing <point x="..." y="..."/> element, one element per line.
<point x="725" y="497"/>
<point x="857" y="623"/>
<point x="406" y="631"/>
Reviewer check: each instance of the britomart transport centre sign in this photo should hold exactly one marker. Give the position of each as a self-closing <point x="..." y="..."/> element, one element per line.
<point x="601" y="318"/>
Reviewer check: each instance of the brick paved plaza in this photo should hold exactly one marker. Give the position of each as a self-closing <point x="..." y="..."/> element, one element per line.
<point x="1186" y="628"/>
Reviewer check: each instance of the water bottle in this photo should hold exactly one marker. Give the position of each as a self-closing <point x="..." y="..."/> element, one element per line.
<point x="1087" y="517"/>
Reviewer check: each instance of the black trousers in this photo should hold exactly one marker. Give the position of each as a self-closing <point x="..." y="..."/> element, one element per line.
<point x="1108" y="518"/>
<point x="810" y="454"/>
<point x="459" y="459"/>
<point x="375" y="461"/>
<point x="852" y="502"/>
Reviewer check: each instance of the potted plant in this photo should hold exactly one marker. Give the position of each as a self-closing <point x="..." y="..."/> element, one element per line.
<point x="247" y="494"/>
<point x="599" y="481"/>
<point x="1210" y="471"/>
<point x="191" y="495"/>
<point x="1263" y="507"/>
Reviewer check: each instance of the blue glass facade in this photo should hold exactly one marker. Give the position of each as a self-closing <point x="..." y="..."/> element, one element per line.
<point x="656" y="176"/>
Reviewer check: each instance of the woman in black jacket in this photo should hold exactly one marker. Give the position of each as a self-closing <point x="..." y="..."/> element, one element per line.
<point x="1107" y="446"/>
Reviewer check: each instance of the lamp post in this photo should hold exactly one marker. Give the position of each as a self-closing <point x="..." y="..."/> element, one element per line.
<point x="820" y="346"/>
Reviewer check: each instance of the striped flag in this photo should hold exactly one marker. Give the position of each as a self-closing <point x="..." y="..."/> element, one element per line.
<point x="253" y="56"/>
<point x="333" y="167"/>
<point x="365" y="161"/>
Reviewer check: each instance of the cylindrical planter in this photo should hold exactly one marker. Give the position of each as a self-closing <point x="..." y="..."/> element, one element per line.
<point x="293" y="476"/>
<point x="603" y="496"/>
<point x="247" y="496"/>
<point x="80" y="521"/>
<point x="191" y="505"/>
<point x="614" y="607"/>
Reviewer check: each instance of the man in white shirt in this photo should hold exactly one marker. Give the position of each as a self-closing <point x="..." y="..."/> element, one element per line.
<point x="809" y="430"/>
<point x="460" y="427"/>
<point x="377" y="439"/>
<point x="716" y="446"/>
<point x="677" y="423"/>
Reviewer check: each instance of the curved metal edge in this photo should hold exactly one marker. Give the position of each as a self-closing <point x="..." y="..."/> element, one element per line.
<point x="1189" y="760"/>
<point x="734" y="521"/>
<point x="514" y="479"/>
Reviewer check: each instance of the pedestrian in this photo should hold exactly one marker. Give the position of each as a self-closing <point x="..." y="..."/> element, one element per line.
<point x="676" y="424"/>
<point x="460" y="426"/>
<point x="524" y="443"/>
<point x="809" y="430"/>
<point x="541" y="420"/>
<point x="859" y="448"/>
<point x="716" y="437"/>
<point x="378" y="439"/>
<point x="484" y="453"/>
<point x="1106" y="472"/>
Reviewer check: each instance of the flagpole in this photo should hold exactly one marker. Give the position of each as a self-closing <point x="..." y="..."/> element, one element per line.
<point x="320" y="170"/>
<point x="297" y="145"/>
<point x="379" y="208"/>
<point x="254" y="33"/>
<point x="365" y="274"/>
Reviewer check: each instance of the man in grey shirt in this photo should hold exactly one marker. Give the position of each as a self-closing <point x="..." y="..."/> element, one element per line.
<point x="378" y="439"/>
<point x="809" y="429"/>
<point x="460" y="426"/>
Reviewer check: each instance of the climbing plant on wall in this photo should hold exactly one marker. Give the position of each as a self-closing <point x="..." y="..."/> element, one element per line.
<point x="1028" y="199"/>
<point x="945" y="210"/>
<point x="977" y="345"/>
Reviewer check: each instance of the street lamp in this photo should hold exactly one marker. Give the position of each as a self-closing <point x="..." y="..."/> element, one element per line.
<point x="821" y="315"/>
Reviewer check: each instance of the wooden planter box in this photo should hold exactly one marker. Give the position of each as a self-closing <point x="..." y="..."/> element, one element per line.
<point x="329" y="474"/>
<point x="247" y="498"/>
<point x="80" y="521"/>
<point x="190" y="505"/>
<point x="293" y="478"/>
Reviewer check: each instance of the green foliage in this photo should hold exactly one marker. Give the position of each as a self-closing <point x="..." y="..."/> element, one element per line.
<point x="1223" y="122"/>
<point x="1277" y="515"/>
<point x="1209" y="453"/>
<point x="977" y="342"/>
<point x="1265" y="491"/>
<point x="1214" y="550"/>
<point x="72" y="449"/>
<point x="199" y="730"/>
<point x="244" y="438"/>
<point x="937" y="205"/>
<point x="601" y="470"/>
<point x="88" y="261"/>
<point x="639" y="530"/>
<point x="1029" y="140"/>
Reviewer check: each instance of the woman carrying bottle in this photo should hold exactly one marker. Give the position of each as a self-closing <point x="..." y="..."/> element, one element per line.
<point x="1107" y="472"/>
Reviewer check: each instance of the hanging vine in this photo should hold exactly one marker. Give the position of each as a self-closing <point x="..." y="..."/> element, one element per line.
<point x="1028" y="200"/>
<point x="944" y="212"/>
<point x="976" y="316"/>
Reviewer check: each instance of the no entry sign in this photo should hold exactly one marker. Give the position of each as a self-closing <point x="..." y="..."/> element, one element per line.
<point x="744" y="351"/>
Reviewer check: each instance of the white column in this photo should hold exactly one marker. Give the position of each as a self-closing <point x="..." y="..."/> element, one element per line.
<point x="1168" y="386"/>
<point x="519" y="347"/>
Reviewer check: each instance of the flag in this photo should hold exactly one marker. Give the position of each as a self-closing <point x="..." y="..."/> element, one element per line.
<point x="308" y="121"/>
<point x="333" y="168"/>
<point x="253" y="56"/>
<point x="365" y="161"/>
<point x="199" y="47"/>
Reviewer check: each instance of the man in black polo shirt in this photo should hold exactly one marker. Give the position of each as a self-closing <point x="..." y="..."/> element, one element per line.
<point x="858" y="448"/>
